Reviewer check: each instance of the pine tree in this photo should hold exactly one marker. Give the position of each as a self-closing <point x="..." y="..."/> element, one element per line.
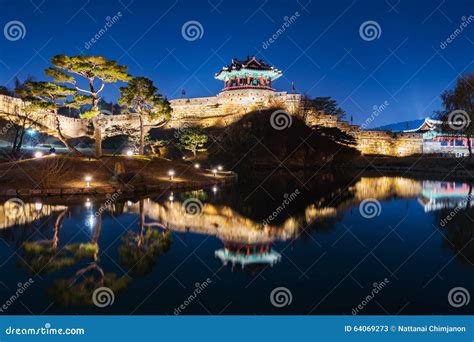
<point x="48" y="96"/>
<point x="193" y="139"/>
<point x="97" y="71"/>
<point x="142" y="97"/>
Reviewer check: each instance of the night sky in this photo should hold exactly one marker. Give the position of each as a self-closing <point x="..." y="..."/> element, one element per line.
<point x="321" y="51"/>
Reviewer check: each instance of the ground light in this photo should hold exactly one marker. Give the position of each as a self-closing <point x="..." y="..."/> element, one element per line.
<point x="214" y="189"/>
<point x="171" y="198"/>
<point x="129" y="153"/>
<point x="38" y="154"/>
<point x="214" y="172"/>
<point x="38" y="206"/>
<point x="171" y="174"/>
<point x="220" y="168"/>
<point x="88" y="180"/>
<point x="197" y="166"/>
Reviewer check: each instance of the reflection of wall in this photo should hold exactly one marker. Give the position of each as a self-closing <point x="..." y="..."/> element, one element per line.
<point x="12" y="214"/>
<point x="382" y="188"/>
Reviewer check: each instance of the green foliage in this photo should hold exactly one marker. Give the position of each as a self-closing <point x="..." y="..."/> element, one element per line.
<point x="66" y="69"/>
<point x="142" y="96"/>
<point x="44" y="257"/>
<point x="44" y="95"/>
<point x="67" y="294"/>
<point x="89" y="114"/>
<point x="89" y="67"/>
<point x="326" y="104"/>
<point x="459" y="98"/>
<point x="5" y="91"/>
<point x="193" y="139"/>
<point x="139" y="252"/>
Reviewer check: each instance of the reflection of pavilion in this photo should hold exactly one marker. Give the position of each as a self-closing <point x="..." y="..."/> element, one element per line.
<point x="246" y="254"/>
<point x="444" y="195"/>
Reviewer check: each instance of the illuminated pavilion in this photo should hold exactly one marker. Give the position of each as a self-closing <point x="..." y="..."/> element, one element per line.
<point x="247" y="254"/>
<point x="251" y="73"/>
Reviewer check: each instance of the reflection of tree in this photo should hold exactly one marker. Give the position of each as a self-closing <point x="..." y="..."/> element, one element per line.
<point x="78" y="289"/>
<point x="459" y="230"/>
<point x="138" y="252"/>
<point x="43" y="256"/>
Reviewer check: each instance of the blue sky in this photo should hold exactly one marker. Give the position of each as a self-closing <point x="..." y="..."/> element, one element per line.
<point x="321" y="51"/>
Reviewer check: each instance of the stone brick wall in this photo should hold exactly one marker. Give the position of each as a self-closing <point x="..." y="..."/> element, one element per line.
<point x="221" y="111"/>
<point x="371" y="141"/>
<point x="228" y="107"/>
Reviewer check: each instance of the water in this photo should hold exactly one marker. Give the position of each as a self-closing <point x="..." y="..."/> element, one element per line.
<point x="335" y="244"/>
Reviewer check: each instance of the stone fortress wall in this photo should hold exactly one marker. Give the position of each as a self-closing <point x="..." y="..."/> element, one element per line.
<point x="220" y="111"/>
<point x="229" y="106"/>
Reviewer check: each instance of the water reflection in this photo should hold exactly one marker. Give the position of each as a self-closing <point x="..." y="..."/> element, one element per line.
<point x="235" y="218"/>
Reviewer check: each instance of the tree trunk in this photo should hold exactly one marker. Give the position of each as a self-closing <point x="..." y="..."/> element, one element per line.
<point x="97" y="137"/>
<point x="20" y="140"/>
<point x="61" y="137"/>
<point x="15" y="140"/>
<point x="142" y="137"/>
